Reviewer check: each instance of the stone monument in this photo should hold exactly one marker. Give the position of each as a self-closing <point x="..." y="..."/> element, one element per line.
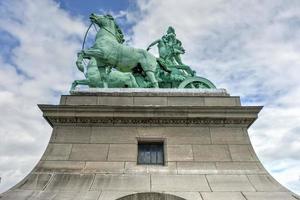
<point x="139" y="133"/>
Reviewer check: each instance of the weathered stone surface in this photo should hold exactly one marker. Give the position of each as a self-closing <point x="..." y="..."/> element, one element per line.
<point x="168" y="168"/>
<point x="68" y="195"/>
<point x="222" y="101"/>
<point x="187" y="195"/>
<point x="158" y="101"/>
<point x="222" y="196"/>
<point x="113" y="195"/>
<point x="229" y="135"/>
<point x="151" y="132"/>
<point x="230" y="183"/>
<point x="191" y="101"/>
<point x="133" y="167"/>
<point x="265" y="183"/>
<point x="203" y="139"/>
<point x="122" y="152"/>
<point x="115" y="100"/>
<point x="53" y="135"/>
<point x="104" y="167"/>
<point x="69" y="134"/>
<point x="242" y="153"/>
<point x="19" y="195"/>
<point x="38" y="195"/>
<point x="36" y="182"/>
<point x="188" y="135"/>
<point x="81" y="100"/>
<point x="211" y="153"/>
<point x="63" y="99"/>
<point x="269" y="196"/>
<point x="239" y="168"/>
<point x="202" y="132"/>
<point x="114" y="135"/>
<point x="57" y="152"/>
<point x="61" y="166"/>
<point x="196" y="167"/>
<point x="90" y="195"/>
<point x="179" y="153"/>
<point x="121" y="182"/>
<point x="70" y="182"/>
<point x="169" y="132"/>
<point x="89" y="152"/>
<point x="179" y="183"/>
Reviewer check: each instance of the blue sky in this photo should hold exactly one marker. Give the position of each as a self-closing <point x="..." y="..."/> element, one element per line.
<point x="84" y="9"/>
<point x="78" y="7"/>
<point x="251" y="48"/>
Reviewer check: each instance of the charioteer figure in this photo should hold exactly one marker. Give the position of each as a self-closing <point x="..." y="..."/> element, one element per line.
<point x="169" y="49"/>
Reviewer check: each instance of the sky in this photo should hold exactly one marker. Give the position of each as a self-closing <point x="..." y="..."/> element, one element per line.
<point x="251" y="48"/>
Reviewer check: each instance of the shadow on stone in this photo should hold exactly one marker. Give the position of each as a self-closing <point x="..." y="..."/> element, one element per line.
<point x="150" y="196"/>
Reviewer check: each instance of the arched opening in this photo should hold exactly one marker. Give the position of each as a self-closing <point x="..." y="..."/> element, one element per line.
<point x="150" y="196"/>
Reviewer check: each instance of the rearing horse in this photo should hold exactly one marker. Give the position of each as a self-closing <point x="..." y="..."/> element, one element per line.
<point x="108" y="50"/>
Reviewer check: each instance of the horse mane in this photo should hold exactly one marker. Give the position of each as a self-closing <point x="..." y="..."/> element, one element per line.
<point x="120" y="35"/>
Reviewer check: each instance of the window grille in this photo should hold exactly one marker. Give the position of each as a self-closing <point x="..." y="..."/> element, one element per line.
<point x="151" y="153"/>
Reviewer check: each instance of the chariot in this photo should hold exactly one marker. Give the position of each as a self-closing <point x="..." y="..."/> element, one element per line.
<point x="175" y="77"/>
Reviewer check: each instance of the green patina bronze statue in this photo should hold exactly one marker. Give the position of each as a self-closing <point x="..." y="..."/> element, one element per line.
<point x="112" y="64"/>
<point x="169" y="48"/>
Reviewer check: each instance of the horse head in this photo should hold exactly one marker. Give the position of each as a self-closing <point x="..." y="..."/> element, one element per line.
<point x="108" y="23"/>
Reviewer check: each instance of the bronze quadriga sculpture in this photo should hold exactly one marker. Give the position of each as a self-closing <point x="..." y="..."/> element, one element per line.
<point x="112" y="64"/>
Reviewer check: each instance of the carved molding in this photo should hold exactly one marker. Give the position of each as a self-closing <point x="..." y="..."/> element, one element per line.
<point x="148" y="121"/>
<point x="150" y="115"/>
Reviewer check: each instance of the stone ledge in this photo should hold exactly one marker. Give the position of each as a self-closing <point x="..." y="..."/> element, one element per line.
<point x="150" y="100"/>
<point x="153" y="115"/>
<point x="148" y="92"/>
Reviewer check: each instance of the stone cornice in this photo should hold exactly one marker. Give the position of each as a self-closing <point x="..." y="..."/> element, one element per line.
<point x="147" y="121"/>
<point x="150" y="115"/>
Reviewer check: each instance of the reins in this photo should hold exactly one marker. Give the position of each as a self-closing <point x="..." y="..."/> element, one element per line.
<point x="116" y="36"/>
<point x="86" y="35"/>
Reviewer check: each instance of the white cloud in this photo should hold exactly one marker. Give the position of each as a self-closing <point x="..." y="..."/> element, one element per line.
<point x="41" y="65"/>
<point x="250" y="48"/>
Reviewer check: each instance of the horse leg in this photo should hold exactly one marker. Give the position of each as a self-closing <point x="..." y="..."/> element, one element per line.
<point x="74" y="84"/>
<point x="152" y="78"/>
<point x="133" y="83"/>
<point x="83" y="82"/>
<point x="79" y="82"/>
<point x="79" y="62"/>
<point x="97" y="53"/>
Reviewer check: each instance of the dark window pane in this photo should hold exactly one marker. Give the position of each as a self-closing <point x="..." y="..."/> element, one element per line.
<point x="153" y="156"/>
<point x="151" y="153"/>
<point x="147" y="157"/>
<point x="141" y="157"/>
<point x="160" y="157"/>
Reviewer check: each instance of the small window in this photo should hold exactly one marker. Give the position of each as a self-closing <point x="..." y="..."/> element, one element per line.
<point x="151" y="153"/>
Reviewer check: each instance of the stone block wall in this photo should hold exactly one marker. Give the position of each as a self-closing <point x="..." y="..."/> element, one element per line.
<point x="188" y="150"/>
<point x="92" y="153"/>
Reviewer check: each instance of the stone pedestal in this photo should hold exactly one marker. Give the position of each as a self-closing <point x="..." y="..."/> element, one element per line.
<point x="92" y="154"/>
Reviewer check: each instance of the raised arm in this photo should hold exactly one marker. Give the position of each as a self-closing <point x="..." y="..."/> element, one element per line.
<point x="152" y="44"/>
